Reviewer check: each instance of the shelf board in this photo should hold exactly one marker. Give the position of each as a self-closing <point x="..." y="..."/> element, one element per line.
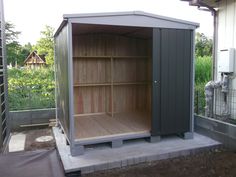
<point x="109" y="57"/>
<point x="92" y="85"/>
<point x="130" y="56"/>
<point x="109" y="84"/>
<point x="92" y="57"/>
<point x="129" y="83"/>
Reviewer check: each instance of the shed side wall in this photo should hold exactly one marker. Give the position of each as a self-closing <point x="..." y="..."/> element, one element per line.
<point x="62" y="90"/>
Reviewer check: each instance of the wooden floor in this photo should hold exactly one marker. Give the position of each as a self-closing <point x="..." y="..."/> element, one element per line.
<point x="92" y="126"/>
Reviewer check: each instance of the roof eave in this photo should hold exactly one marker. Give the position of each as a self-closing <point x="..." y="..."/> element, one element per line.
<point x="141" y="13"/>
<point x="63" y="23"/>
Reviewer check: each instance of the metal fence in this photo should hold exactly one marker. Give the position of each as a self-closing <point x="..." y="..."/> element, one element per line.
<point x="27" y="98"/>
<point x="224" y="105"/>
<point x="199" y="102"/>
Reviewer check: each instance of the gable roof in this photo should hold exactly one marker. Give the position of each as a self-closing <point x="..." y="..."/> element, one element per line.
<point x="40" y="57"/>
<point x="210" y="3"/>
<point x="130" y="18"/>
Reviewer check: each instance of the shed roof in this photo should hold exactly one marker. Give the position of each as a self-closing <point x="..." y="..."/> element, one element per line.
<point x="131" y="18"/>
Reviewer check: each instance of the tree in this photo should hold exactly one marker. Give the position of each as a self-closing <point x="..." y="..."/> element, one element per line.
<point x="16" y="53"/>
<point x="45" y="45"/>
<point x="12" y="45"/>
<point x="11" y="34"/>
<point x="203" y="45"/>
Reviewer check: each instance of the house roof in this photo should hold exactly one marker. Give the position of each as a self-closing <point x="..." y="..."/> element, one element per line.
<point x="131" y="18"/>
<point x="41" y="57"/>
<point x="210" y="3"/>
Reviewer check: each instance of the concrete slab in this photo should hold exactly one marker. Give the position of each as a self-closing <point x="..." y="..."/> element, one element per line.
<point x="134" y="152"/>
<point x="17" y="142"/>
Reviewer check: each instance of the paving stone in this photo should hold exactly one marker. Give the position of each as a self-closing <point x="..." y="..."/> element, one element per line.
<point x="98" y="159"/>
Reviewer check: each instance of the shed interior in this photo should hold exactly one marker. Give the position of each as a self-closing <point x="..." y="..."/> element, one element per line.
<point x="112" y="72"/>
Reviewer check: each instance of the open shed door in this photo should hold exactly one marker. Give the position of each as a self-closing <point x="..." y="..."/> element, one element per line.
<point x="172" y="81"/>
<point x="4" y="122"/>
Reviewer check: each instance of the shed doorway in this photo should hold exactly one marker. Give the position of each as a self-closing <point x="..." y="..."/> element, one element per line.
<point x="112" y="72"/>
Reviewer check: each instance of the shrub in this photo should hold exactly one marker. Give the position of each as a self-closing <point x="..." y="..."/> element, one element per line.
<point x="31" y="89"/>
<point x="203" y="66"/>
<point x="203" y="69"/>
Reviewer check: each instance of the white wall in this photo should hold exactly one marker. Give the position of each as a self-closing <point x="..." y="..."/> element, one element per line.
<point x="226" y="39"/>
<point x="226" y="30"/>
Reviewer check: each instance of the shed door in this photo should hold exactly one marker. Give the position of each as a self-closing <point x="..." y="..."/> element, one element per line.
<point x="172" y="74"/>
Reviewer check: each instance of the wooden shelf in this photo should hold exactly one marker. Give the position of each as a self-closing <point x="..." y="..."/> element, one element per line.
<point x="109" y="84"/>
<point x="92" y="85"/>
<point x="92" y="57"/>
<point x="109" y="57"/>
<point x="129" y="83"/>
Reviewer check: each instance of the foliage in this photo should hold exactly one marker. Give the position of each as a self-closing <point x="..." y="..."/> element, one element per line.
<point x="31" y="89"/>
<point x="11" y="34"/>
<point x="45" y="45"/>
<point x="16" y="53"/>
<point x="203" y="45"/>
<point x="203" y="67"/>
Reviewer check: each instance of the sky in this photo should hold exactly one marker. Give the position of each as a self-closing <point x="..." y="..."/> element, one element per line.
<point x="31" y="16"/>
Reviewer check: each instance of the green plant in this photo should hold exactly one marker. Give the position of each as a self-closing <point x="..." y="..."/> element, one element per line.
<point x="203" y="67"/>
<point x="31" y="89"/>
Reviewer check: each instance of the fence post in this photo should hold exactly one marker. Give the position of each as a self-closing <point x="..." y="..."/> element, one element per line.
<point x="197" y="104"/>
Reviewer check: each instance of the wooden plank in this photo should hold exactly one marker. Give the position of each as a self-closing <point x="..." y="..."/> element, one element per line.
<point x="90" y="114"/>
<point x="90" y="99"/>
<point x="129" y="83"/>
<point x="112" y="88"/>
<point x="86" y="127"/>
<point x="96" y="126"/>
<point x="92" y="85"/>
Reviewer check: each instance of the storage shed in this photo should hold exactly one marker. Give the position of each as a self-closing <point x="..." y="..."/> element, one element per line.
<point x="122" y="76"/>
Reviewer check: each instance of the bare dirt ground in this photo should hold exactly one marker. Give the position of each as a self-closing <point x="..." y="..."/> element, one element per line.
<point x="31" y="142"/>
<point x="217" y="163"/>
<point x="211" y="164"/>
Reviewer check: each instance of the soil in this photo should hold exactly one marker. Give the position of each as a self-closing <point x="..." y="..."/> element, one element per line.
<point x="31" y="135"/>
<point x="219" y="163"/>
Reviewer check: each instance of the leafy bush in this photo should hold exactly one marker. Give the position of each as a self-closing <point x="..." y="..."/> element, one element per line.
<point x="203" y="69"/>
<point x="31" y="89"/>
<point x="203" y="66"/>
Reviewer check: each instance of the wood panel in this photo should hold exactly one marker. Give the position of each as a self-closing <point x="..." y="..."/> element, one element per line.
<point x="129" y="98"/>
<point x="111" y="73"/>
<point x="92" y="99"/>
<point x="88" y="71"/>
<point x="108" y="45"/>
<point x="130" y="70"/>
<point x="87" y="127"/>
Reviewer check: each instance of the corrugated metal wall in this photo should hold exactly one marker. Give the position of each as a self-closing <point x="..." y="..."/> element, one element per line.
<point x="173" y="57"/>
<point x="62" y="90"/>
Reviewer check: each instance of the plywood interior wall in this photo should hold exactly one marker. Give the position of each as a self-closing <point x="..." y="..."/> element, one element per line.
<point x="112" y="74"/>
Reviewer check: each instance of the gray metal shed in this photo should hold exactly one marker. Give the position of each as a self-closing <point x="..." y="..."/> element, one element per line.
<point x="122" y="76"/>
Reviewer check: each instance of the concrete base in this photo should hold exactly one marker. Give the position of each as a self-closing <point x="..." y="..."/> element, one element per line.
<point x="133" y="152"/>
<point x="154" y="139"/>
<point x="116" y="143"/>
<point x="188" y="135"/>
<point x="76" y="150"/>
<point x="217" y="130"/>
